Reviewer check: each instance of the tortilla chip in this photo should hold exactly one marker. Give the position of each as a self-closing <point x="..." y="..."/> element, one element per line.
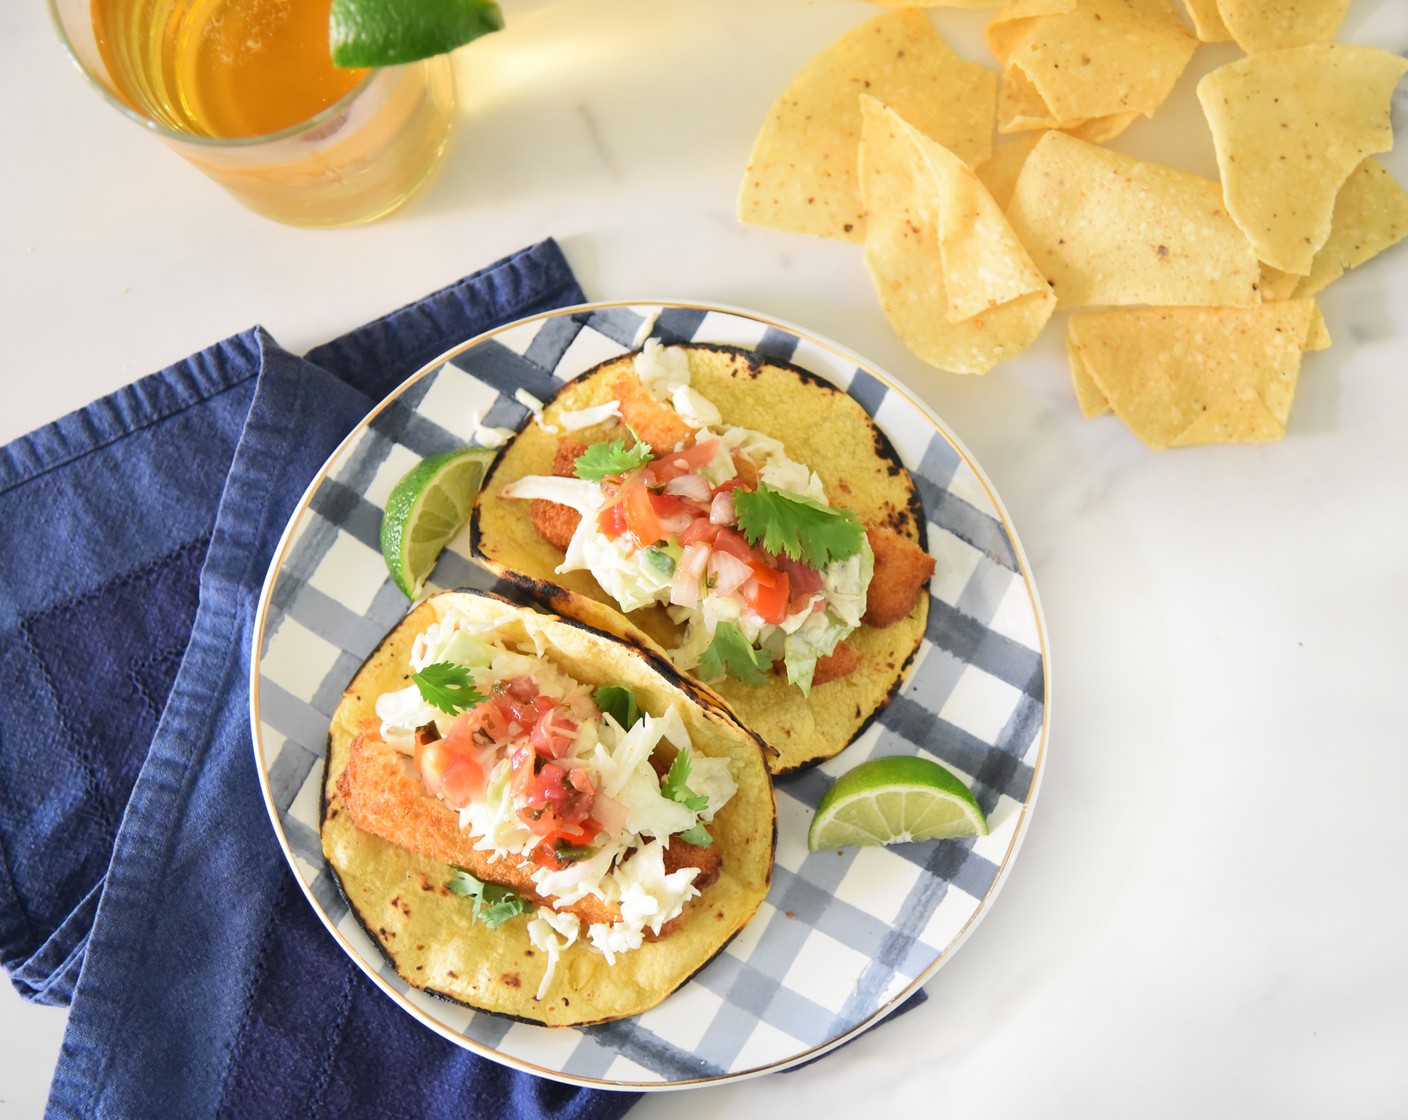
<point x="953" y="279"/>
<point x="1289" y="127"/>
<point x="1099" y="129"/>
<point x="1009" y="28"/>
<point x="425" y="930"/>
<point x="1179" y="376"/>
<point x="1207" y="21"/>
<point x="1021" y="109"/>
<point x="1371" y="214"/>
<point x="802" y="173"/>
<point x="1000" y="170"/>
<point x="1100" y="59"/>
<point x="1266" y="25"/>
<point x="1276" y="284"/>
<point x="1088" y="395"/>
<point x="1106" y="228"/>
<point x="1317" y="337"/>
<point x="1019" y="105"/>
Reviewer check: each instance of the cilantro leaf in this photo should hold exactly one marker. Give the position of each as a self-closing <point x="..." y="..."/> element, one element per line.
<point x="698" y="836"/>
<point x="493" y="904"/>
<point x="731" y="654"/>
<point x="796" y="526"/>
<point x="447" y="686"/>
<point x="619" y="703"/>
<point x="676" y="788"/>
<point x="676" y="783"/>
<point x="602" y="460"/>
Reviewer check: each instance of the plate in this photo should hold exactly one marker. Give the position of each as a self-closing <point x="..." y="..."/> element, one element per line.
<point x="841" y="939"/>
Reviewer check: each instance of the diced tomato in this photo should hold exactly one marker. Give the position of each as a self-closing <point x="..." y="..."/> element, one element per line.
<point x="450" y="771"/>
<point x="688" y="461"/>
<point x="767" y="593"/>
<point x="524" y="761"/>
<point x="463" y="782"/>
<point x="735" y="544"/>
<point x="484" y="725"/>
<point x="675" y="515"/>
<point x="521" y="703"/>
<point x="612" y="520"/>
<point x="548" y="854"/>
<point x="731" y="484"/>
<point x="545" y="855"/>
<point x="546" y="800"/>
<point x="522" y="688"/>
<point x="700" y="531"/>
<point x="641" y="518"/>
<point x="525" y="715"/>
<point x="552" y="736"/>
<point x="804" y="578"/>
<point x="667" y="505"/>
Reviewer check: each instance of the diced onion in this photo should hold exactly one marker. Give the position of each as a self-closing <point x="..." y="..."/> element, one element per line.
<point x="729" y="572"/>
<point x="692" y="486"/>
<point x="676" y="523"/>
<point x="684" y="587"/>
<point x="721" y="510"/>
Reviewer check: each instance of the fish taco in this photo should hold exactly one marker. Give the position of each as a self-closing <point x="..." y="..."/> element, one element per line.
<point x="740" y="515"/>
<point x="537" y="819"/>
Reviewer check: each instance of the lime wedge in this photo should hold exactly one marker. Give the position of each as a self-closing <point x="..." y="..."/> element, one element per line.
<point x="389" y="32"/>
<point x="890" y="800"/>
<point x="427" y="508"/>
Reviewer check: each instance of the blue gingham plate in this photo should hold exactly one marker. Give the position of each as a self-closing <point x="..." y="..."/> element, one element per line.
<point x="841" y="939"/>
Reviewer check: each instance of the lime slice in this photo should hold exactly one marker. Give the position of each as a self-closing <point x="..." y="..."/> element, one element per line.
<point x="389" y="32"/>
<point x="889" y="800"/>
<point x="426" y="509"/>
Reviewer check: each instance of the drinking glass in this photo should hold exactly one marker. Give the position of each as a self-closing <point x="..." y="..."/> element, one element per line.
<point x="350" y="163"/>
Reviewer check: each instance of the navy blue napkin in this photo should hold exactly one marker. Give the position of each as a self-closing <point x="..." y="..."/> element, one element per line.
<point x="140" y="881"/>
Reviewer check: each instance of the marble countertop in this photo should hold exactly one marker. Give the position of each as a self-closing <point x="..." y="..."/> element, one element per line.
<point x="1209" y="913"/>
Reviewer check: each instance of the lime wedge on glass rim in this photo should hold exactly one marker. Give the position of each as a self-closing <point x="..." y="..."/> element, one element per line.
<point x="425" y="509"/>
<point x="390" y="32"/>
<point x="891" y="800"/>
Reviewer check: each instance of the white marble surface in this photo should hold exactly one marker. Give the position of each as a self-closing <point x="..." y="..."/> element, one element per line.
<point x="1209" y="916"/>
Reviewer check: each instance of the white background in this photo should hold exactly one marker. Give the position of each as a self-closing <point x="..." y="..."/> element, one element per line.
<point x="1209" y="916"/>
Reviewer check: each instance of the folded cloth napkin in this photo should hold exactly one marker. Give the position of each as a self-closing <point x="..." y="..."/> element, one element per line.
<point x="140" y="880"/>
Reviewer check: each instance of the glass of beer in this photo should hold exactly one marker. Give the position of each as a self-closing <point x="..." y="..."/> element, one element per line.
<point x="247" y="92"/>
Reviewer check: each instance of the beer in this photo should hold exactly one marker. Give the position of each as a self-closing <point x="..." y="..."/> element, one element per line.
<point x="224" y="68"/>
<point x="246" y="90"/>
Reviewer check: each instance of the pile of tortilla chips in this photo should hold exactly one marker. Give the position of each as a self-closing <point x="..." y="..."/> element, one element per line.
<point x="1201" y="289"/>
